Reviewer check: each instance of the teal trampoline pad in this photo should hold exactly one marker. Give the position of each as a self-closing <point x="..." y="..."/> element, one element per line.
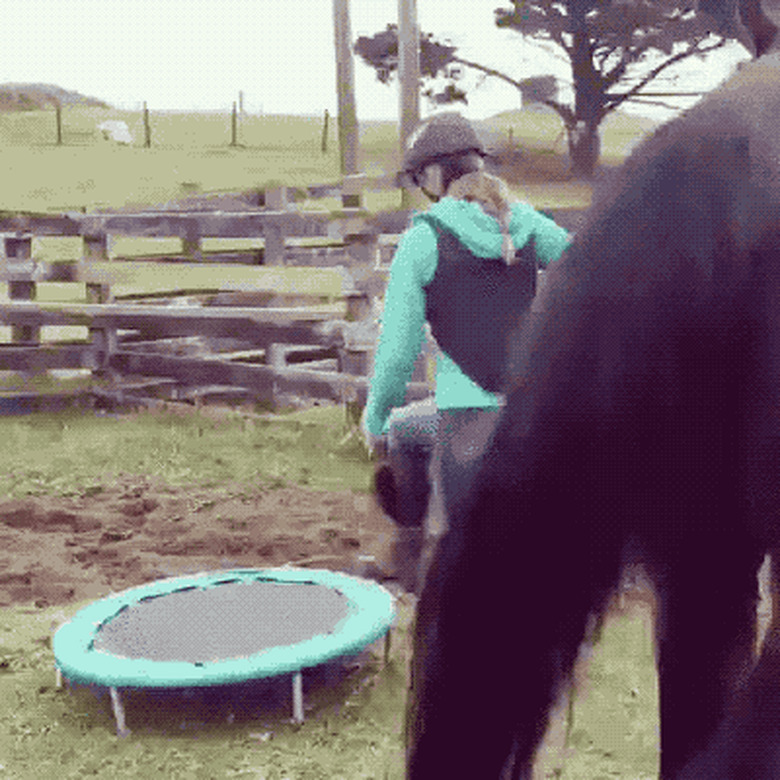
<point x="221" y="628"/>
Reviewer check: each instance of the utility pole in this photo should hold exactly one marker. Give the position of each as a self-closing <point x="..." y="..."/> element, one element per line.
<point x="408" y="67"/>
<point x="408" y="74"/>
<point x="345" y="84"/>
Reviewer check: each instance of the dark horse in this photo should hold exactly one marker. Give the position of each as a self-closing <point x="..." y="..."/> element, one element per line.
<point x="643" y="424"/>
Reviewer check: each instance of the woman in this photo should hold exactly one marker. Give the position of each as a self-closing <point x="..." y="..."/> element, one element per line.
<point x="459" y="268"/>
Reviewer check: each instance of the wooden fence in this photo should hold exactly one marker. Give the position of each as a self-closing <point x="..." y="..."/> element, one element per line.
<point x="276" y="343"/>
<point x="271" y="345"/>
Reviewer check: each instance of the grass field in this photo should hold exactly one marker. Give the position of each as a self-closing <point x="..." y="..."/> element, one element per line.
<point x="191" y="153"/>
<point x="47" y="733"/>
<point x="61" y="454"/>
<point x="357" y="733"/>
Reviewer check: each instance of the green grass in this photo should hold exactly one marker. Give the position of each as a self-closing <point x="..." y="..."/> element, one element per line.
<point x="542" y="131"/>
<point x="64" y="454"/>
<point x="356" y="728"/>
<point x="354" y="731"/>
<point x="614" y="729"/>
<point x="190" y="153"/>
<point x="47" y="733"/>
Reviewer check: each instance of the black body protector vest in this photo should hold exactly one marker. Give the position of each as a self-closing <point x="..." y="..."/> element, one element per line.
<point x="473" y="304"/>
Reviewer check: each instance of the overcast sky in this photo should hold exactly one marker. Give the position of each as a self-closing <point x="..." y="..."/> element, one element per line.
<point x="197" y="54"/>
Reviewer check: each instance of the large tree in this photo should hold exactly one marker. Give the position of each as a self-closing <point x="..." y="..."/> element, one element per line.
<point x="616" y="48"/>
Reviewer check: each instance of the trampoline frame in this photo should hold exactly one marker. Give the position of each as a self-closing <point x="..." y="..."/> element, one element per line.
<point x="370" y="614"/>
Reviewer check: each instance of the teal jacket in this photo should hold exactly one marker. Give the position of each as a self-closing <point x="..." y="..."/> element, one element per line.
<point x="414" y="265"/>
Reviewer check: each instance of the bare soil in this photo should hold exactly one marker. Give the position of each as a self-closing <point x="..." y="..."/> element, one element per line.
<point x="56" y="550"/>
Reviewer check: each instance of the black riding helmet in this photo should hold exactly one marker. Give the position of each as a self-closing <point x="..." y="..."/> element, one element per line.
<point x="439" y="138"/>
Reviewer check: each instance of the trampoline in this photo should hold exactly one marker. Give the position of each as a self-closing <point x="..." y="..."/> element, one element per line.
<point x="220" y="628"/>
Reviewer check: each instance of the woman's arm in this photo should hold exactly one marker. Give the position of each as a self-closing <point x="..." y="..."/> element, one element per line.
<point x="402" y="327"/>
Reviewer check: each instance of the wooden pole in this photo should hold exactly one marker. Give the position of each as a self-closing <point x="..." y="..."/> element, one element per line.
<point x="345" y="81"/>
<point x="234" y="127"/>
<point x="325" y="132"/>
<point x="409" y="75"/>
<point x="58" y="111"/>
<point x="147" y="128"/>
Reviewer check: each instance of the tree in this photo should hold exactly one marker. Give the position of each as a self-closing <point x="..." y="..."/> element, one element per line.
<point x="608" y="43"/>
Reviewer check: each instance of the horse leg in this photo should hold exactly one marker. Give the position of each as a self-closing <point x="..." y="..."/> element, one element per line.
<point x="709" y="592"/>
<point x="499" y="626"/>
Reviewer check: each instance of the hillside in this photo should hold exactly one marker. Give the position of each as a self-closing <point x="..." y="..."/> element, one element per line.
<point x="29" y="97"/>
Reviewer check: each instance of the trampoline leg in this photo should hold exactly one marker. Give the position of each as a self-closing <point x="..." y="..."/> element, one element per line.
<point x="387" y="646"/>
<point x="297" y="696"/>
<point x="119" y="714"/>
<point x="57" y="677"/>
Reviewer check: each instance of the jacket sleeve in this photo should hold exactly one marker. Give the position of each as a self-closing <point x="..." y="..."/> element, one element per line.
<point x="402" y="325"/>
<point x="550" y="238"/>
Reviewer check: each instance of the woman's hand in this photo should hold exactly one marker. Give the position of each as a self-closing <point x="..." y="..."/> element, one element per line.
<point x="376" y="445"/>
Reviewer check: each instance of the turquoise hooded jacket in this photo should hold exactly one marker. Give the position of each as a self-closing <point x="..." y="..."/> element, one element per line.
<point x="413" y="267"/>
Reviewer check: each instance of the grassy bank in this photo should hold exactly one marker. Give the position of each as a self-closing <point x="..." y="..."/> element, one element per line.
<point x="355" y="729"/>
<point x="66" y="454"/>
<point x="191" y="153"/>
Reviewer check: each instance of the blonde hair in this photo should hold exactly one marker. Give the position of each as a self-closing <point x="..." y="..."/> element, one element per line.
<point x="492" y="194"/>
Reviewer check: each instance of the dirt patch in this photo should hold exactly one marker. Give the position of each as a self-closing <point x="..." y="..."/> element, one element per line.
<point x="56" y="550"/>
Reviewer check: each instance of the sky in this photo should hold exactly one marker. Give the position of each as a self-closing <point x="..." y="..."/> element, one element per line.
<point x="198" y="54"/>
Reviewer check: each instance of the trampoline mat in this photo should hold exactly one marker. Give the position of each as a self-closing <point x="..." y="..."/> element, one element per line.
<point x="230" y="620"/>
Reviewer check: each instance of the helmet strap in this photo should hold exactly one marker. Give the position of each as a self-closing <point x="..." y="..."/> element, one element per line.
<point x="431" y="176"/>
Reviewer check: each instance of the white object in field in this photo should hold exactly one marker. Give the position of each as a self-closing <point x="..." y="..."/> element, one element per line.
<point x="115" y="130"/>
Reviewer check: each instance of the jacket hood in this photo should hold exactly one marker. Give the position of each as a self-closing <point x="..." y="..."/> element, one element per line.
<point x="478" y="212"/>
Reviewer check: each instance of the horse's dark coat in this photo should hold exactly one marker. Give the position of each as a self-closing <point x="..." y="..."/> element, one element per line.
<point x="645" y="413"/>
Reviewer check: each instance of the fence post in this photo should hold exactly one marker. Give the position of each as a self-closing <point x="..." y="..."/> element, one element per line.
<point x="17" y="257"/>
<point x="102" y="337"/>
<point x="363" y="247"/>
<point x="58" y="113"/>
<point x="190" y="240"/>
<point x="147" y="128"/>
<point x="324" y="145"/>
<point x="273" y="230"/>
<point x="234" y="127"/>
<point x="352" y="191"/>
<point x="98" y="292"/>
<point x="96" y="246"/>
<point x="24" y="290"/>
<point x="103" y="340"/>
<point x="276" y="359"/>
<point x="273" y="254"/>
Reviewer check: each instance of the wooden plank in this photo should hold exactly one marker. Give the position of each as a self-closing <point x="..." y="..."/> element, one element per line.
<point x="262" y="326"/>
<point x="41" y="224"/>
<point x="34" y="359"/>
<point x="336" y="386"/>
<point x="198" y="371"/>
<point x="247" y="224"/>
<point x="262" y="380"/>
<point x="136" y="278"/>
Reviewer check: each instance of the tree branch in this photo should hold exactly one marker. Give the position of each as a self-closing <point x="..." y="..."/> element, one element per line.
<point x="613" y="101"/>
<point x="648" y="102"/>
<point x="563" y="110"/>
<point x="488" y="71"/>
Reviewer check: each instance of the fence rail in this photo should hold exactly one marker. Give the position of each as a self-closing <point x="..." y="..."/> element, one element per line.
<point x="276" y="343"/>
